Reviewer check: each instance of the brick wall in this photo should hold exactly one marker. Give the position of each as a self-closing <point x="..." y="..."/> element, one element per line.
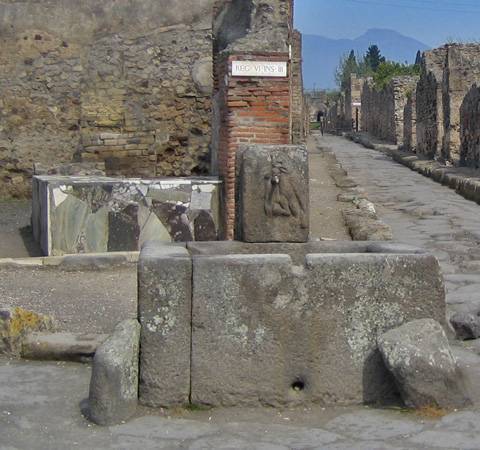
<point x="253" y="111"/>
<point x="249" y="109"/>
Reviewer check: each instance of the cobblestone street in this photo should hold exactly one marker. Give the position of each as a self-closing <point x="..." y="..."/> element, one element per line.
<point x="421" y="212"/>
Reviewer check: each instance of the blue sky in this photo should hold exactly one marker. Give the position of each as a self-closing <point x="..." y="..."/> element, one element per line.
<point x="432" y="22"/>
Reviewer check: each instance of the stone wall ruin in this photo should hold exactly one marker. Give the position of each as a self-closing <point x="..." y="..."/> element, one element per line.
<point x="470" y="129"/>
<point x="353" y="102"/>
<point x="429" y="104"/>
<point x="447" y="103"/>
<point x="383" y="110"/>
<point x="461" y="71"/>
<point x="131" y="88"/>
<point x="125" y="82"/>
<point x="410" y="123"/>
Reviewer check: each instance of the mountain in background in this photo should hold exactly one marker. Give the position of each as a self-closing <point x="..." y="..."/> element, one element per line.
<point x="321" y="55"/>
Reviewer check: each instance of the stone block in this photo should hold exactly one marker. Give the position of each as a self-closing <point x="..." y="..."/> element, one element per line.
<point x="242" y="331"/>
<point x="356" y="297"/>
<point x="419" y="356"/>
<point x="165" y="310"/>
<point x="273" y="204"/>
<point x="62" y="346"/>
<point x="91" y="214"/>
<point x="273" y="332"/>
<point x="113" y="393"/>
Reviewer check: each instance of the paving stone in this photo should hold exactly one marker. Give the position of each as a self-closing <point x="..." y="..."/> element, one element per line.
<point x="283" y="435"/>
<point x="374" y="425"/>
<point x="456" y="431"/>
<point x="466" y="325"/>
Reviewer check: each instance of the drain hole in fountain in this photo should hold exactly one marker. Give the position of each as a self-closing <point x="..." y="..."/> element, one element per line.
<point x="298" y="385"/>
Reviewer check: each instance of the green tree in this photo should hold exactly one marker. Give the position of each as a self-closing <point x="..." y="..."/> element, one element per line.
<point x="373" y="58"/>
<point x="418" y="58"/>
<point x="389" y="69"/>
<point x="346" y="66"/>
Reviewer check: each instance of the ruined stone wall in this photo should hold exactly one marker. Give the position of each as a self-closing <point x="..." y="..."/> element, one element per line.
<point x="336" y="122"/>
<point x="410" y="124"/>
<point x="429" y="103"/>
<point x="353" y="99"/>
<point x="470" y="129"/>
<point x="298" y="107"/>
<point x="125" y="82"/>
<point x="461" y="72"/>
<point x="382" y="110"/>
<point x="378" y="116"/>
<point x="403" y="90"/>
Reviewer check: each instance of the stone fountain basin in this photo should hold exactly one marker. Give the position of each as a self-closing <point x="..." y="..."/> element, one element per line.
<point x="230" y="323"/>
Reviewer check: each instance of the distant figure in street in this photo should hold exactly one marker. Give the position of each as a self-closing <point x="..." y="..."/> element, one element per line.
<point x="321" y="120"/>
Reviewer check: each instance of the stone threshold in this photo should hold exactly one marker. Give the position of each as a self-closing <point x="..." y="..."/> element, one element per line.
<point x="76" y="347"/>
<point x="465" y="181"/>
<point x="75" y="261"/>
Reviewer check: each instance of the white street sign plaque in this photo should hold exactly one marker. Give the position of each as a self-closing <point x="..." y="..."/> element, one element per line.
<point x="259" y="69"/>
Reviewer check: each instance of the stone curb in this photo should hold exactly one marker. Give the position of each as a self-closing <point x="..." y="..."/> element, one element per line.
<point x="465" y="181"/>
<point x="360" y="218"/>
<point x="76" y="347"/>
<point x="83" y="261"/>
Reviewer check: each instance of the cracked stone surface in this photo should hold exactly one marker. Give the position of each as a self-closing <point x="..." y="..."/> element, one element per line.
<point x="42" y="409"/>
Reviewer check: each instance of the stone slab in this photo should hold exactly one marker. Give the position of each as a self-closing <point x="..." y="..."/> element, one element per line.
<point x="273" y="191"/>
<point x="164" y="310"/>
<point x="268" y="332"/>
<point x="62" y="346"/>
<point x="93" y="214"/>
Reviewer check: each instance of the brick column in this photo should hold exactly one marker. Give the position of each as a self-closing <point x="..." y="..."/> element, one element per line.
<point x="253" y="110"/>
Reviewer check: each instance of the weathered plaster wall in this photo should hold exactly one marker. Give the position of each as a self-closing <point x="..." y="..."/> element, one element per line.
<point x="127" y="82"/>
<point x="382" y="110"/>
